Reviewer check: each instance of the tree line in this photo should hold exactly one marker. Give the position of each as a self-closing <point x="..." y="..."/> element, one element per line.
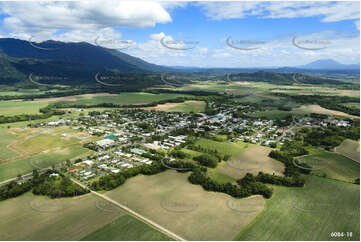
<point x="53" y="187"/>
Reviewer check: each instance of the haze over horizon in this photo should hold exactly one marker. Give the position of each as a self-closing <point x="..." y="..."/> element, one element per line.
<point x="246" y="34"/>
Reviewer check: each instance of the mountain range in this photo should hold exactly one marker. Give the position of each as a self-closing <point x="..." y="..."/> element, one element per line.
<point x="81" y="61"/>
<point x="329" y="64"/>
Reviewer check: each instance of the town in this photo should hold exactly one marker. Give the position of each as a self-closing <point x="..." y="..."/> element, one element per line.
<point x="130" y="137"/>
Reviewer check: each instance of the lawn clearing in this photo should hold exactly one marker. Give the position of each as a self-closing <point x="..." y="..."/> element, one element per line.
<point x="253" y="160"/>
<point x="185" y="209"/>
<point x="350" y="149"/>
<point x="310" y="213"/>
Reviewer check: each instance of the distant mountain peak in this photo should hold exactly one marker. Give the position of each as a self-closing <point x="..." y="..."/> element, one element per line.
<point x="329" y="64"/>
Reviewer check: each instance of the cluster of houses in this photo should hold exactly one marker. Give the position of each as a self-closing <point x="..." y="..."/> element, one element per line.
<point x="149" y="129"/>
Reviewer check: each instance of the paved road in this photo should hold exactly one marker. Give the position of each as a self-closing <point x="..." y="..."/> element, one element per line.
<point x="159" y="227"/>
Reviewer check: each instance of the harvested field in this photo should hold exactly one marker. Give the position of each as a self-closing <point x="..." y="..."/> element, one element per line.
<point x="171" y="201"/>
<point x="253" y="160"/>
<point x="350" y="149"/>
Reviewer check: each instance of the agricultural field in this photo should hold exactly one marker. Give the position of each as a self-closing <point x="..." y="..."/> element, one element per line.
<point x="86" y="216"/>
<point x="42" y="218"/>
<point x="177" y="202"/>
<point x="124" y="98"/>
<point x="16" y="107"/>
<point x="332" y="165"/>
<point x="309" y="213"/>
<point x="304" y="109"/>
<point x="19" y="91"/>
<point x="350" y="149"/>
<point x="184" y="107"/>
<point x="126" y="228"/>
<point x="252" y="160"/>
<point x="314" y="90"/>
<point x="189" y="106"/>
<point x="271" y="114"/>
<point x="352" y="105"/>
<point x="222" y="148"/>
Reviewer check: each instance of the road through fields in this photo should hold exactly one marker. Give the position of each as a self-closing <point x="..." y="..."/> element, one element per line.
<point x="144" y="219"/>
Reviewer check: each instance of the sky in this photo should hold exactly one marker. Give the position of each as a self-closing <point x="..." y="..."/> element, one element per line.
<point x="199" y="34"/>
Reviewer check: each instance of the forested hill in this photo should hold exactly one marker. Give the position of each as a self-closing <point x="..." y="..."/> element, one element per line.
<point x="73" y="63"/>
<point x="281" y="78"/>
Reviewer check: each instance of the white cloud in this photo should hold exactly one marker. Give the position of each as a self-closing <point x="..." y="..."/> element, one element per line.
<point x="45" y="18"/>
<point x="329" y="11"/>
<point x="276" y="52"/>
<point x="357" y="23"/>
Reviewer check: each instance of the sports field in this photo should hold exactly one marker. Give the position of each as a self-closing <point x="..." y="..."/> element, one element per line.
<point x="350" y="149"/>
<point x="40" y="148"/>
<point x="171" y="201"/>
<point x="5" y="140"/>
<point x="252" y="160"/>
<point x="42" y="160"/>
<point x="333" y="165"/>
<point x="310" y="213"/>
